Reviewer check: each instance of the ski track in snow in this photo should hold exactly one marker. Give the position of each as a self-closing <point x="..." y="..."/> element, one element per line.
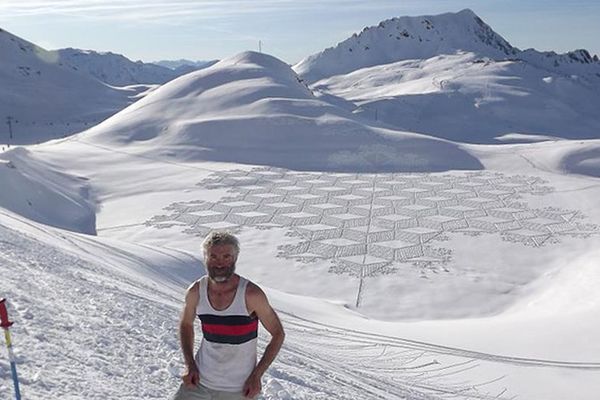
<point x="84" y="325"/>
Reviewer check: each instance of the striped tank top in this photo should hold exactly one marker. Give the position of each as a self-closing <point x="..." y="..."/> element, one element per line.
<point x="227" y="353"/>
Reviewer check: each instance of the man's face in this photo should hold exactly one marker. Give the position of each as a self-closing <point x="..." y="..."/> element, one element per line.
<point x="220" y="262"/>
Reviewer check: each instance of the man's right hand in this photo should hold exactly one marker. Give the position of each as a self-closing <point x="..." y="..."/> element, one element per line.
<point x="192" y="377"/>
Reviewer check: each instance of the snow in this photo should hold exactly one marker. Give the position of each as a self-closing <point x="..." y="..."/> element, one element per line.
<point x="185" y="65"/>
<point x="403" y="266"/>
<point x="402" y="72"/>
<point x="583" y="161"/>
<point x="206" y="115"/>
<point x="45" y="195"/>
<point x="406" y="38"/>
<point x="47" y="99"/>
<point x="486" y="101"/>
<point x="424" y="37"/>
<point x="118" y="70"/>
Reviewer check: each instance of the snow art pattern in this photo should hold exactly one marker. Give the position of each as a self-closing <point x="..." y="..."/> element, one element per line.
<point x="370" y="224"/>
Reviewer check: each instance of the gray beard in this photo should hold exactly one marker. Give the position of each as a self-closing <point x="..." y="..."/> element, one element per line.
<point x="223" y="276"/>
<point x="221" y="279"/>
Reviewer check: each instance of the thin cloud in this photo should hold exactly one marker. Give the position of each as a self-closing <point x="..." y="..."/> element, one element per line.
<point x="167" y="11"/>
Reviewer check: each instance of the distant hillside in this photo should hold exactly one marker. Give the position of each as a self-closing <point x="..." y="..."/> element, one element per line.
<point x="118" y="70"/>
<point x="175" y="64"/>
<point x="44" y="98"/>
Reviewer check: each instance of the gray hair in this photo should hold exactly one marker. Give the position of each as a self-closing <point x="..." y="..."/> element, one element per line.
<point x="217" y="238"/>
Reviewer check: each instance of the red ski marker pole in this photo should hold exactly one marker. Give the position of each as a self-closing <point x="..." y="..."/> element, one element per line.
<point x="5" y="324"/>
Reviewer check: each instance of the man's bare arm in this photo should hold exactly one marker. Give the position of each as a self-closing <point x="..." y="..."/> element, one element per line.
<point x="259" y="304"/>
<point x="186" y="333"/>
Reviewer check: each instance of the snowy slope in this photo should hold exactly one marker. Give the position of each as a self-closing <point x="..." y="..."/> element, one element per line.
<point x="252" y="108"/>
<point x="40" y="193"/>
<point x="45" y="98"/>
<point x="466" y="98"/>
<point x="186" y="69"/>
<point x="182" y="63"/>
<point x="116" y="69"/>
<point x="566" y="157"/>
<point x="452" y="76"/>
<point x="577" y="62"/>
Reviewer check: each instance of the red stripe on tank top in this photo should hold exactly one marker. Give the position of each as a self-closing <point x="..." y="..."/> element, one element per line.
<point x="230" y="330"/>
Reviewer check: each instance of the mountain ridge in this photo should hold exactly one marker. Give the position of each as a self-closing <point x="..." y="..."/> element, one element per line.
<point x="118" y="70"/>
<point x="421" y="37"/>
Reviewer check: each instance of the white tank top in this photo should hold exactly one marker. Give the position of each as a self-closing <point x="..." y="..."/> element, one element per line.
<point x="227" y="353"/>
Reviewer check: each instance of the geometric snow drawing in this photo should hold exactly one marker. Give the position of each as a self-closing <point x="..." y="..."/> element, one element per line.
<point x="371" y="224"/>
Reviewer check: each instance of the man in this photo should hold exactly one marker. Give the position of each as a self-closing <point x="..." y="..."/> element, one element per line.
<point x="229" y="308"/>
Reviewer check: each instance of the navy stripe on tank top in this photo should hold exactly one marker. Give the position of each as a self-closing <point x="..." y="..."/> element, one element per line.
<point x="231" y="329"/>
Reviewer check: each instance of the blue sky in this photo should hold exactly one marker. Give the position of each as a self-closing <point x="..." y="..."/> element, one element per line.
<point x="151" y="30"/>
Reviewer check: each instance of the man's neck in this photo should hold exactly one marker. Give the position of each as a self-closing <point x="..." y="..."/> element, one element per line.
<point x="222" y="287"/>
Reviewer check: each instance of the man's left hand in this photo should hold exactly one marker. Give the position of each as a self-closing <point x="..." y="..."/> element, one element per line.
<point x="252" y="387"/>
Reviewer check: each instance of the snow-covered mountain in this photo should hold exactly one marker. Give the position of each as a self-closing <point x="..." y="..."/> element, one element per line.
<point x="578" y="62"/>
<point x="115" y="69"/>
<point x="118" y="70"/>
<point x="186" y="69"/>
<point x="183" y="66"/>
<point x="466" y="98"/>
<point x="44" y="98"/>
<point x="452" y="76"/>
<point x="252" y="108"/>
<point x="423" y="37"/>
<point x="407" y="38"/>
<point x="175" y="64"/>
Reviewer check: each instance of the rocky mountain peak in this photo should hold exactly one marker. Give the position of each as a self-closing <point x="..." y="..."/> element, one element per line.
<point x="404" y="38"/>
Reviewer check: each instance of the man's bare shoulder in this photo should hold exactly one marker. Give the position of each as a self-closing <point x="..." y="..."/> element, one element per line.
<point x="192" y="293"/>
<point x="194" y="287"/>
<point x="255" y="297"/>
<point x="254" y="291"/>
